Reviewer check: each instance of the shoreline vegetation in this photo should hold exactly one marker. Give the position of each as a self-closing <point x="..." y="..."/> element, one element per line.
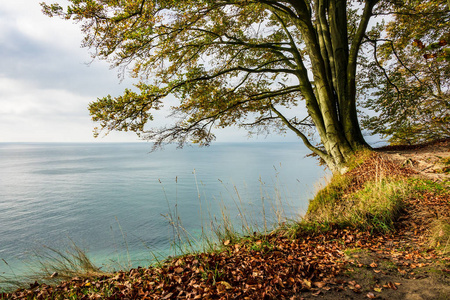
<point x="380" y="231"/>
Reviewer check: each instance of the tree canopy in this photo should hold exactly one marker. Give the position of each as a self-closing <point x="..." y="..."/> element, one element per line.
<point x="408" y="81"/>
<point x="249" y="63"/>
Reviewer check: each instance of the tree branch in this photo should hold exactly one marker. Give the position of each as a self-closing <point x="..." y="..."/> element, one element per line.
<point x="305" y="140"/>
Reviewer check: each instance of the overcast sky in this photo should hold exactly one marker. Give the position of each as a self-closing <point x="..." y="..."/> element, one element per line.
<point x="47" y="81"/>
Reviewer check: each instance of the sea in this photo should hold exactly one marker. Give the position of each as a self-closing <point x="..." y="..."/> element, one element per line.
<point x="126" y="206"/>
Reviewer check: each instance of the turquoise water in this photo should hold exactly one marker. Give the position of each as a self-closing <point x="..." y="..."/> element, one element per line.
<point x="108" y="198"/>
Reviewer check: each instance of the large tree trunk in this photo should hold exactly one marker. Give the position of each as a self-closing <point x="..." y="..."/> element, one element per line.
<point x="332" y="105"/>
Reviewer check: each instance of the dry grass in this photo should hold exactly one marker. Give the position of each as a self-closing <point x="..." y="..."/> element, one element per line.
<point x="440" y="235"/>
<point x="219" y="226"/>
<point x="369" y="196"/>
<point x="52" y="266"/>
<point x="57" y="265"/>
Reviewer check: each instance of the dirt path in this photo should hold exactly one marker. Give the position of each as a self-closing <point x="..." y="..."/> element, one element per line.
<point x="397" y="266"/>
<point x="429" y="160"/>
<point x="402" y="265"/>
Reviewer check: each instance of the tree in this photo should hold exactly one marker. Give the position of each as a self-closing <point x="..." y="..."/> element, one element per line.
<point x="232" y="62"/>
<point x="408" y="82"/>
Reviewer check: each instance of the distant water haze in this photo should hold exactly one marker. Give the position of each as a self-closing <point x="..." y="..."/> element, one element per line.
<point x="108" y="198"/>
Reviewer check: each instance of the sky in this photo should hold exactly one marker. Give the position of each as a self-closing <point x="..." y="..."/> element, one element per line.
<point x="47" y="81"/>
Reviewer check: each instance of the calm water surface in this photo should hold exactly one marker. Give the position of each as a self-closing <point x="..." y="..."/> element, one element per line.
<point x="110" y="197"/>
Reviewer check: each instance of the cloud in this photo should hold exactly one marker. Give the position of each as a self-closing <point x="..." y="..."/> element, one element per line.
<point x="47" y="80"/>
<point x="50" y="66"/>
<point x="29" y="113"/>
<point x="27" y="18"/>
<point x="47" y="51"/>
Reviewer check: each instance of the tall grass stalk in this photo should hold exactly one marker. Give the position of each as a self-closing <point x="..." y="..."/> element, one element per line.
<point x="126" y="243"/>
<point x="9" y="281"/>
<point x="182" y="240"/>
<point x="222" y="227"/>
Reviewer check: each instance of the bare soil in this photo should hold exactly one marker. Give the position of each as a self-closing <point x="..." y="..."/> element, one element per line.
<point x="428" y="160"/>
